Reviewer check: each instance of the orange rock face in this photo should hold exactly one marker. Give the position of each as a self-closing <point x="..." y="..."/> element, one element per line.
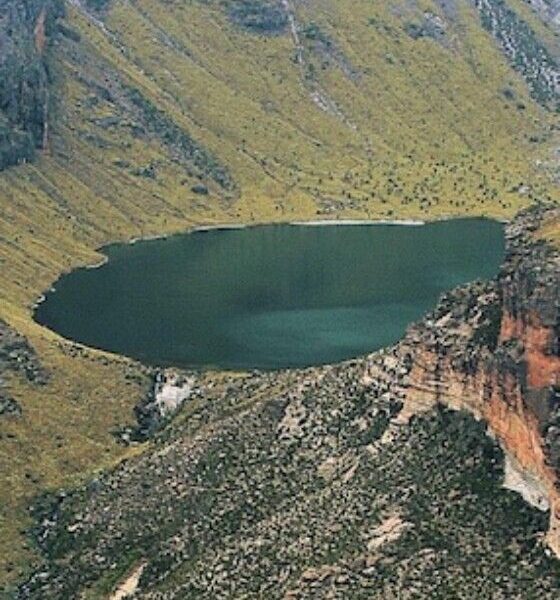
<point x="513" y="423"/>
<point x="543" y="368"/>
<point x="518" y="429"/>
<point x="499" y="399"/>
<point x="505" y="371"/>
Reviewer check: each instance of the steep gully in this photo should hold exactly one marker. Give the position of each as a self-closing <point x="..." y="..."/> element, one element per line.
<point x="40" y="36"/>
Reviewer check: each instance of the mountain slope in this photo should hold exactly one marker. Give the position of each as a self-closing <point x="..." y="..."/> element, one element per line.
<point x="346" y="481"/>
<point x="143" y="117"/>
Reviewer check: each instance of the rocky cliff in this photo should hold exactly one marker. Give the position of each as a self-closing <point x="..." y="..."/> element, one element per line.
<point x="25" y="30"/>
<point x="527" y="54"/>
<point x="494" y="350"/>
<point x="548" y="9"/>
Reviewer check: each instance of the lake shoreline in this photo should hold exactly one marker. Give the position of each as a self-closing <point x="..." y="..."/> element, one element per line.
<point x="298" y="223"/>
<point x="264" y="310"/>
<point x="239" y="226"/>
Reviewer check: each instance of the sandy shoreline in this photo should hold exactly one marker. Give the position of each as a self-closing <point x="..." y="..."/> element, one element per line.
<point x="310" y="223"/>
<point x="331" y="222"/>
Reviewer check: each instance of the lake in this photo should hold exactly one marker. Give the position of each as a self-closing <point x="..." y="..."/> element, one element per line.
<point x="269" y="297"/>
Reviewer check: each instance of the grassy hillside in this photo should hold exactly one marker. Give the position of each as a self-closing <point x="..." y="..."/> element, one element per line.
<point x="167" y="114"/>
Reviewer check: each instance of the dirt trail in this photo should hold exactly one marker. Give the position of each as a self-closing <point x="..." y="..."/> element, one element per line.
<point x="129" y="585"/>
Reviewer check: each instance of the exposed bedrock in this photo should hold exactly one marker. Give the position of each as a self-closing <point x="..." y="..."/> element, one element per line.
<point x="17" y="358"/>
<point x="494" y="350"/>
<point x="27" y="31"/>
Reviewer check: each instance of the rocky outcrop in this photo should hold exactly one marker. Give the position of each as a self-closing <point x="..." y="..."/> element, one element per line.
<point x="494" y="350"/>
<point x="549" y="10"/>
<point x="169" y="392"/>
<point x="16" y="357"/>
<point x="25" y="78"/>
<point x="267" y="17"/>
<point x="295" y="484"/>
<point x="527" y="54"/>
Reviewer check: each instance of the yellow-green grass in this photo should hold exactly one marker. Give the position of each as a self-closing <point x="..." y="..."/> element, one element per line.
<point x="429" y="122"/>
<point x="550" y="231"/>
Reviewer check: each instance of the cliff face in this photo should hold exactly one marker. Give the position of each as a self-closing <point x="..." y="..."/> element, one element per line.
<point x="494" y="350"/>
<point x="25" y="29"/>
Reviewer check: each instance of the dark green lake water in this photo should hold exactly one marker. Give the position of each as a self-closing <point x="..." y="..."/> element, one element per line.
<point x="272" y="296"/>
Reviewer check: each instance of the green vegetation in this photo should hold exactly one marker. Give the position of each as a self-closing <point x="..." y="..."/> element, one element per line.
<point x="266" y="17"/>
<point x="394" y="127"/>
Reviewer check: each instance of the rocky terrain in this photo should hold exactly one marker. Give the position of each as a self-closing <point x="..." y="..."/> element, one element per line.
<point x="25" y="80"/>
<point x="366" y="479"/>
<point x="528" y="55"/>
<point x="548" y="9"/>
<point x="17" y="358"/>
<point x="512" y="380"/>
<point x="122" y="119"/>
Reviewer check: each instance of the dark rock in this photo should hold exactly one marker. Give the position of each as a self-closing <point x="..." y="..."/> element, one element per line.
<point x="264" y="17"/>
<point x="201" y="189"/>
<point x="8" y="406"/>
<point x="16" y="355"/>
<point x="25" y="30"/>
